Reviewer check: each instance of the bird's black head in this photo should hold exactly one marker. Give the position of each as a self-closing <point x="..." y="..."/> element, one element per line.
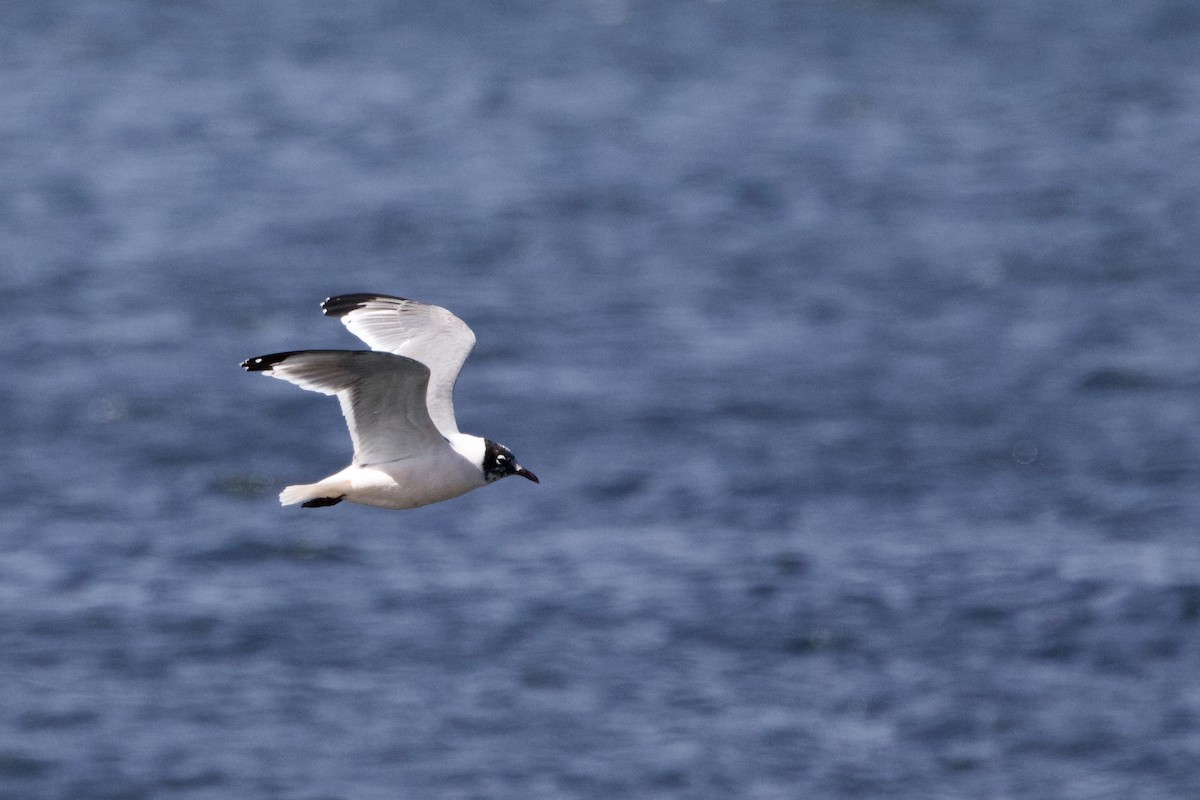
<point x="499" y="462"/>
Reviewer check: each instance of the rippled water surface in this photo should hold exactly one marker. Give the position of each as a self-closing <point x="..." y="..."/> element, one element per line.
<point x="856" y="346"/>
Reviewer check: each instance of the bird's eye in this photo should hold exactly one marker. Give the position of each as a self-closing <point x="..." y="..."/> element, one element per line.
<point x="500" y="459"/>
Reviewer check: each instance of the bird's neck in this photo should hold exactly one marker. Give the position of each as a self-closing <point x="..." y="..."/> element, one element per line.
<point x="469" y="447"/>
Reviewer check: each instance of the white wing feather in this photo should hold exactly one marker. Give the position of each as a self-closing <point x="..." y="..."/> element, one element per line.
<point x="425" y="333"/>
<point x="382" y="397"/>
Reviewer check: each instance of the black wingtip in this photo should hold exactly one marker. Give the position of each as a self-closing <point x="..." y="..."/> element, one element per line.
<point x="264" y="363"/>
<point x="342" y="304"/>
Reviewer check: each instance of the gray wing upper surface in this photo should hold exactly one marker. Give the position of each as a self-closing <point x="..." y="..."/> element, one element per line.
<point x="382" y="397"/>
<point x="425" y="333"/>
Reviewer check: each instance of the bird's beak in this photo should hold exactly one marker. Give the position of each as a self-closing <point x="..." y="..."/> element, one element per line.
<point x="524" y="473"/>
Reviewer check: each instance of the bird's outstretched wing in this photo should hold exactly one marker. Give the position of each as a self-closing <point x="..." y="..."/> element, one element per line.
<point x="382" y="397"/>
<point x="429" y="334"/>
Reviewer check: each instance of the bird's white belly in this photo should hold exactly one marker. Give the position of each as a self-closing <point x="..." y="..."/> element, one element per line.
<point x="412" y="482"/>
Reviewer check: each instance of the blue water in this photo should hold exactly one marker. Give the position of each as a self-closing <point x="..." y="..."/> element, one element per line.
<point x="856" y="345"/>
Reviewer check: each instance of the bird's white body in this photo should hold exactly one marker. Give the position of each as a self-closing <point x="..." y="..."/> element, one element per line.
<point x="404" y="483"/>
<point x="397" y="399"/>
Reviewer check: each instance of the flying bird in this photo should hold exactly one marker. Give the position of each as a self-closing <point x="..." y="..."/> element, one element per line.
<point x="398" y="400"/>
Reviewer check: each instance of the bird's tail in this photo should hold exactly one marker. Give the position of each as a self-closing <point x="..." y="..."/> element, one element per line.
<point x="313" y="494"/>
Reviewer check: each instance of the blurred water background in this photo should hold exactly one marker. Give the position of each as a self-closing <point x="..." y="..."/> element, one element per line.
<point x="855" y="343"/>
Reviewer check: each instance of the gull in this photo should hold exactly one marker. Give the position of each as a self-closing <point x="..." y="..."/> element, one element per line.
<point x="398" y="401"/>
